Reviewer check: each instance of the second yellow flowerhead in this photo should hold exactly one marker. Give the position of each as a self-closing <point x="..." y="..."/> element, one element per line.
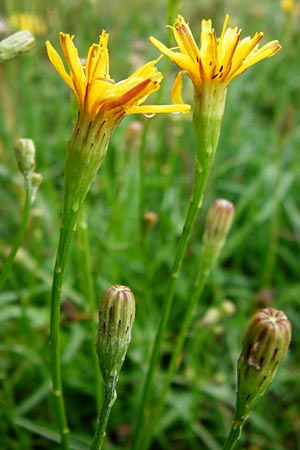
<point x="217" y="60"/>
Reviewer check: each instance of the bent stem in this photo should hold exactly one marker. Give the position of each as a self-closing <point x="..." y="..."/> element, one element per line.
<point x="18" y="239"/>
<point x="66" y="232"/>
<point x="110" y="397"/>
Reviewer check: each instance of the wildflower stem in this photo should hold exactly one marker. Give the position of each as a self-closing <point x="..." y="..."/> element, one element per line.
<point x="234" y="435"/>
<point x="108" y="402"/>
<point x="91" y="300"/>
<point x="18" y="239"/>
<point x="66" y="233"/>
<point x="207" y="118"/>
<point x="200" y="179"/>
<point x="188" y="315"/>
<point x="218" y="223"/>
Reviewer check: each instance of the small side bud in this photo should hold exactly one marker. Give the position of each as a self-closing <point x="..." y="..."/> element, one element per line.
<point x="218" y="222"/>
<point x="16" y="44"/>
<point x="116" y="316"/>
<point x="265" y="346"/>
<point x="25" y="155"/>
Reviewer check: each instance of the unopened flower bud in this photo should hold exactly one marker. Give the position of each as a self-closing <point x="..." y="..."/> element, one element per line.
<point x="217" y="225"/>
<point x="16" y="44"/>
<point x="116" y="316"/>
<point x="265" y="346"/>
<point x="25" y="155"/>
<point x="218" y="222"/>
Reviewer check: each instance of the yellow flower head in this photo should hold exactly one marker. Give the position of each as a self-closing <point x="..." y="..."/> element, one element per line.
<point x="218" y="60"/>
<point x="96" y="92"/>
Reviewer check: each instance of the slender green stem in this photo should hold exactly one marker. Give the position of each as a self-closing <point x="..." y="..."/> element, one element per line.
<point x="234" y="435"/>
<point x="110" y="396"/>
<point x="66" y="233"/>
<point x="18" y="239"/>
<point x="91" y="300"/>
<point x="188" y="316"/>
<point x="195" y="203"/>
<point x="209" y="256"/>
<point x="207" y="118"/>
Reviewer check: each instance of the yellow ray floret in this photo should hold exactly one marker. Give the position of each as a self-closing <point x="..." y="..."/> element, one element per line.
<point x="217" y="60"/>
<point x="96" y="92"/>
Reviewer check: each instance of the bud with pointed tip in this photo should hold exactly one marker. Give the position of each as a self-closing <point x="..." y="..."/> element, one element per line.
<point x="116" y="316"/>
<point x="265" y="346"/>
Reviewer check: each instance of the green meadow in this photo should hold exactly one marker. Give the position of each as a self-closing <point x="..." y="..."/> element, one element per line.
<point x="130" y="225"/>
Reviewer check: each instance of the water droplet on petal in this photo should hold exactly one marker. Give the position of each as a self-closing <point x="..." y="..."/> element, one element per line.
<point x="149" y="115"/>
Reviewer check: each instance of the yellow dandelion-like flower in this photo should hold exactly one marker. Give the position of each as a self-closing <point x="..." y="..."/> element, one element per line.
<point x="102" y="103"/>
<point x="218" y="60"/>
<point x="97" y="93"/>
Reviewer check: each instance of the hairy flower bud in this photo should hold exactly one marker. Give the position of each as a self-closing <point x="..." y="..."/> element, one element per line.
<point x="25" y="155"/>
<point x="116" y="316"/>
<point x="265" y="346"/>
<point x="15" y="44"/>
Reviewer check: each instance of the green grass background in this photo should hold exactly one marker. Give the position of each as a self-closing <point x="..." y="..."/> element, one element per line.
<point x="257" y="167"/>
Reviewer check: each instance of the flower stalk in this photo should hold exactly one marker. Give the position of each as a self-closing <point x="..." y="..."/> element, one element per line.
<point x="210" y="67"/>
<point x="116" y="317"/>
<point x="265" y="346"/>
<point x="206" y="133"/>
<point x="102" y="104"/>
<point x="218" y="223"/>
<point x="25" y="156"/>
